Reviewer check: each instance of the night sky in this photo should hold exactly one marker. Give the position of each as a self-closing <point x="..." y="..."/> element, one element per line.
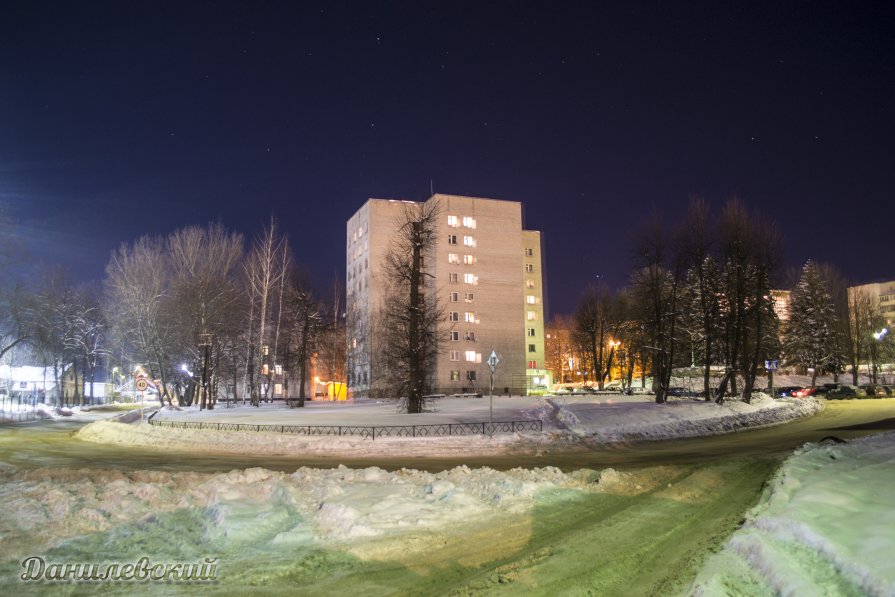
<point x="123" y="118"/>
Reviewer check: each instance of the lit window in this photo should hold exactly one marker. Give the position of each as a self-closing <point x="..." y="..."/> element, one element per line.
<point x="455" y="296"/>
<point x="278" y="369"/>
<point x="454" y="316"/>
<point x="452" y="278"/>
<point x="453" y="258"/>
<point x="470" y="279"/>
<point x="531" y="348"/>
<point x="470" y="356"/>
<point x="470" y="317"/>
<point x="529" y="268"/>
<point x="532" y="316"/>
<point x="528" y="252"/>
<point x="532" y="364"/>
<point x="452" y="239"/>
<point x="469" y="297"/>
<point x="529" y="283"/>
<point x="452" y="221"/>
<point x="455" y="375"/>
<point x="468" y="222"/>
<point x="469" y="241"/>
<point x="531" y="331"/>
<point x="470" y="336"/>
<point x="530" y="299"/>
<point x="455" y="355"/>
<point x="455" y="336"/>
<point x="469" y="259"/>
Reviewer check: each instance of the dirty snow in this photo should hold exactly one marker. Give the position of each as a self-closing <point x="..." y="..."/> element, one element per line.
<point x="45" y="508"/>
<point x="826" y="526"/>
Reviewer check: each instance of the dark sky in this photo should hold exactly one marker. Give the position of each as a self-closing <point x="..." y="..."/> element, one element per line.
<point x="124" y="118"/>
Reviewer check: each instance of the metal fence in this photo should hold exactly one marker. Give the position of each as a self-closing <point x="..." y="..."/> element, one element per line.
<point x="438" y="430"/>
<point x="17" y="416"/>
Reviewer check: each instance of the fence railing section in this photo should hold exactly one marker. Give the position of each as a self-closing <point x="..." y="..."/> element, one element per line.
<point x="17" y="416"/>
<point x="371" y="432"/>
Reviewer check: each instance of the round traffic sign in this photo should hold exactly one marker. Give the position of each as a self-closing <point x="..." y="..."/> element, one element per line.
<point x="142" y="384"/>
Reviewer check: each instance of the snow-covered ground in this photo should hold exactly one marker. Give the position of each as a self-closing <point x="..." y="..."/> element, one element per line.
<point x="12" y="412"/>
<point x="826" y="526"/>
<point x="567" y="423"/>
<point x="370" y="513"/>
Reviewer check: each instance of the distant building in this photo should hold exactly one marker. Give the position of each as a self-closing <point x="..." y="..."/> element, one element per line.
<point x="882" y="294"/>
<point x="488" y="272"/>
<point x="781" y="304"/>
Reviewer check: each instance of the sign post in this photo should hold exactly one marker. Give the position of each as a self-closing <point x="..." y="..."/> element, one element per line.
<point x="141" y="384"/>
<point x="493" y="360"/>
<point x="771" y="366"/>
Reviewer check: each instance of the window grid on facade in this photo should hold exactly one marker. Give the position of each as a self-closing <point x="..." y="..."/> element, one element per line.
<point x="455" y="355"/>
<point x="530" y="299"/>
<point x="469" y="297"/>
<point x="531" y="331"/>
<point x="452" y="239"/>
<point x="469" y="241"/>
<point x="455" y="375"/>
<point x="531" y="315"/>
<point x="468" y="222"/>
<point x="469" y="317"/>
<point x="452" y="277"/>
<point x="531" y="348"/>
<point x="529" y="268"/>
<point x="469" y="259"/>
<point x="455" y="336"/>
<point x="454" y="316"/>
<point x="455" y="296"/>
<point x="470" y="279"/>
<point x="453" y="258"/>
<point x="528" y="252"/>
<point x="470" y="356"/>
<point x="452" y="221"/>
<point x="532" y="364"/>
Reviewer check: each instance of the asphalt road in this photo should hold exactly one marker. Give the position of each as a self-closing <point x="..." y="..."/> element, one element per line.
<point x="42" y="444"/>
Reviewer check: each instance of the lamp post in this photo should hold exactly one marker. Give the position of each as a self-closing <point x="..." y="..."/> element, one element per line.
<point x="205" y="342"/>
<point x="878" y="337"/>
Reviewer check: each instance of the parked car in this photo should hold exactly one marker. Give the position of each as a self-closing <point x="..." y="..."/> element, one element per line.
<point x="874" y="391"/>
<point x="846" y="392"/>
<point x="803" y="392"/>
<point x="785" y="391"/>
<point x="681" y="392"/>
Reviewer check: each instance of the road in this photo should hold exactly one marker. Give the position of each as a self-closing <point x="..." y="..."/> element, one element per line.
<point x="44" y="444"/>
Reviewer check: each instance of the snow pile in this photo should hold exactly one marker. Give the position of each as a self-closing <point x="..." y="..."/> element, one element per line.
<point x="566" y="421"/>
<point x="615" y="420"/>
<point x="44" y="508"/>
<point x="280" y="444"/>
<point x="825" y="527"/>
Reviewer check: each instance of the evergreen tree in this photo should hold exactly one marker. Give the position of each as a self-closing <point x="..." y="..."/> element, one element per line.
<point x="811" y="330"/>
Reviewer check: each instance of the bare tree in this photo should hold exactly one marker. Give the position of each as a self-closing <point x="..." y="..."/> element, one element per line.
<point x="302" y="324"/>
<point x="596" y="324"/>
<point x="266" y="269"/>
<point x="205" y="265"/>
<point x="411" y="316"/>
<point x="138" y="305"/>
<point x="559" y="348"/>
<point x="332" y="346"/>
<point x="656" y="284"/>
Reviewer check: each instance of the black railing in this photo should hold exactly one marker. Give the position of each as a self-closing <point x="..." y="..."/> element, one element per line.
<point x="437" y="430"/>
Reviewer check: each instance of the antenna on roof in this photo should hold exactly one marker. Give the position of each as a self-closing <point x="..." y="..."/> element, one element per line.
<point x="431" y="187"/>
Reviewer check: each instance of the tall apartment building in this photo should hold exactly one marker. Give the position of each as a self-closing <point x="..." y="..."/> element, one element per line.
<point x="883" y="296"/>
<point x="488" y="273"/>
